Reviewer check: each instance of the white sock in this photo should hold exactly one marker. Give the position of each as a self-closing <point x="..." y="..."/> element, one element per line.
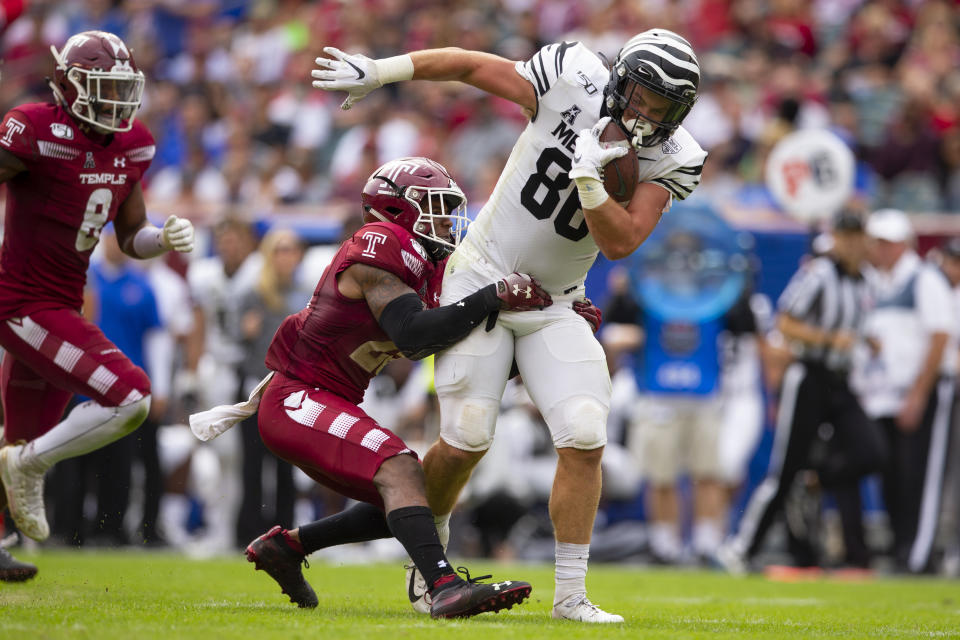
<point x="443" y="529"/>
<point x="707" y="537"/>
<point x="571" y="571"/>
<point x="664" y="541"/>
<point x="87" y="428"/>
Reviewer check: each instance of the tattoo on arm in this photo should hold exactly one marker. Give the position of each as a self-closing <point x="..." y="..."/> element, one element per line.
<point x="379" y="287"/>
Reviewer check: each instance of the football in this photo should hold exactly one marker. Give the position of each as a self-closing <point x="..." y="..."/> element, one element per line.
<point x="620" y="174"/>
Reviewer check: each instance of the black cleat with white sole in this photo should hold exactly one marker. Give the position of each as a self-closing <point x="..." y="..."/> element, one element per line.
<point x="462" y="599"/>
<point x="272" y="554"/>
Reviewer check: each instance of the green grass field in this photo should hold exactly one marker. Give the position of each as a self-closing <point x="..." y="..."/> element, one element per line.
<point x="138" y="596"/>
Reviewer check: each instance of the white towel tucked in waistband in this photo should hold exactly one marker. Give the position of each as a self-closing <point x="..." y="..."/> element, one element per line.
<point x="207" y="425"/>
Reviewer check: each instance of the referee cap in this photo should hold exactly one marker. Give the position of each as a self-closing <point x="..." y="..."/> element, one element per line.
<point x="891" y="225"/>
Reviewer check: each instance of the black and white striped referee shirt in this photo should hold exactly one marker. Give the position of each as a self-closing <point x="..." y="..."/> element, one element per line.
<point x="824" y="295"/>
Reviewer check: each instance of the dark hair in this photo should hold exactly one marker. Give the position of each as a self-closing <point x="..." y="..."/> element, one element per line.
<point x="847" y="220"/>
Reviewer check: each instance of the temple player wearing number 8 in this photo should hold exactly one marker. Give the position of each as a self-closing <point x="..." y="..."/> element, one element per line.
<point x="71" y="166"/>
<point x="548" y="215"/>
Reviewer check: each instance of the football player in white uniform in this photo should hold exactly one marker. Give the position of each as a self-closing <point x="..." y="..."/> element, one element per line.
<point x="548" y="215"/>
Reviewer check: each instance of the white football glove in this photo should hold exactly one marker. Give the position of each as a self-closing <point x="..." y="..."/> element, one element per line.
<point x="354" y="73"/>
<point x="590" y="155"/>
<point x="178" y="234"/>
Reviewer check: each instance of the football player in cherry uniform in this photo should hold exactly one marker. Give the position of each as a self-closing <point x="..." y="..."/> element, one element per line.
<point x="70" y="166"/>
<point x="377" y="301"/>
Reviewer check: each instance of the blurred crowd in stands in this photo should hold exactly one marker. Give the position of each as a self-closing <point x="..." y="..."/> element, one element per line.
<point x="243" y="138"/>
<point x="237" y="123"/>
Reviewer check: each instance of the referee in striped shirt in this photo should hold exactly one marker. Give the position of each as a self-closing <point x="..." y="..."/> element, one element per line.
<point x="820" y="314"/>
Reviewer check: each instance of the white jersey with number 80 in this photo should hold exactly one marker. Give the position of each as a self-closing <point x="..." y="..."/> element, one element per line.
<point x="533" y="222"/>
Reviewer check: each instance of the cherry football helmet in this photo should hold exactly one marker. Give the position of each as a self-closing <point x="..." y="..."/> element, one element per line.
<point x="97" y="81"/>
<point x="657" y="62"/>
<point x="419" y="195"/>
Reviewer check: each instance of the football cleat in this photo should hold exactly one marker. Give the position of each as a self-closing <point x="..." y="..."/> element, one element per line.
<point x="420" y="598"/>
<point x="579" y="609"/>
<point x="13" y="570"/>
<point x="24" y="486"/>
<point x="462" y="599"/>
<point x="272" y="554"/>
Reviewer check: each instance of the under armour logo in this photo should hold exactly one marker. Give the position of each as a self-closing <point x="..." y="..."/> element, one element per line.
<point x="517" y="291"/>
<point x="119" y="162"/>
<point x="442" y="564"/>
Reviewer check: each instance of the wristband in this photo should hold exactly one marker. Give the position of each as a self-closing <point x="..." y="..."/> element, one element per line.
<point x="148" y="242"/>
<point x="395" y="69"/>
<point x="592" y="193"/>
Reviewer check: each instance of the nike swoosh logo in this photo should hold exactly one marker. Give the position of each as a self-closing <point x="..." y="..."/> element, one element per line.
<point x="360" y="74"/>
<point x="411" y="593"/>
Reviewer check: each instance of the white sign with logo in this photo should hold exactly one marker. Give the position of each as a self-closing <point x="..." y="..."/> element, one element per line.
<point x="810" y="174"/>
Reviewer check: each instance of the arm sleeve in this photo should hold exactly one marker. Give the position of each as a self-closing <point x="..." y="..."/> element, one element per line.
<point x="419" y="332"/>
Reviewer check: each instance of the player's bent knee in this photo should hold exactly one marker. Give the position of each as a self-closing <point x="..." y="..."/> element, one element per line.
<point x="137" y="379"/>
<point x="130" y="386"/>
<point x="472" y="424"/>
<point x="581" y="423"/>
<point x="131" y="415"/>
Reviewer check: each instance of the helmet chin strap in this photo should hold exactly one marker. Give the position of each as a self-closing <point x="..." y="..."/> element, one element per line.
<point x="379" y="216"/>
<point x="435" y="250"/>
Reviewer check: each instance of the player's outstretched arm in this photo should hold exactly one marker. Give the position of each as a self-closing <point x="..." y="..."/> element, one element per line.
<point x="419" y="332"/>
<point x="10" y="165"/>
<point x="358" y="75"/>
<point x="140" y="239"/>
